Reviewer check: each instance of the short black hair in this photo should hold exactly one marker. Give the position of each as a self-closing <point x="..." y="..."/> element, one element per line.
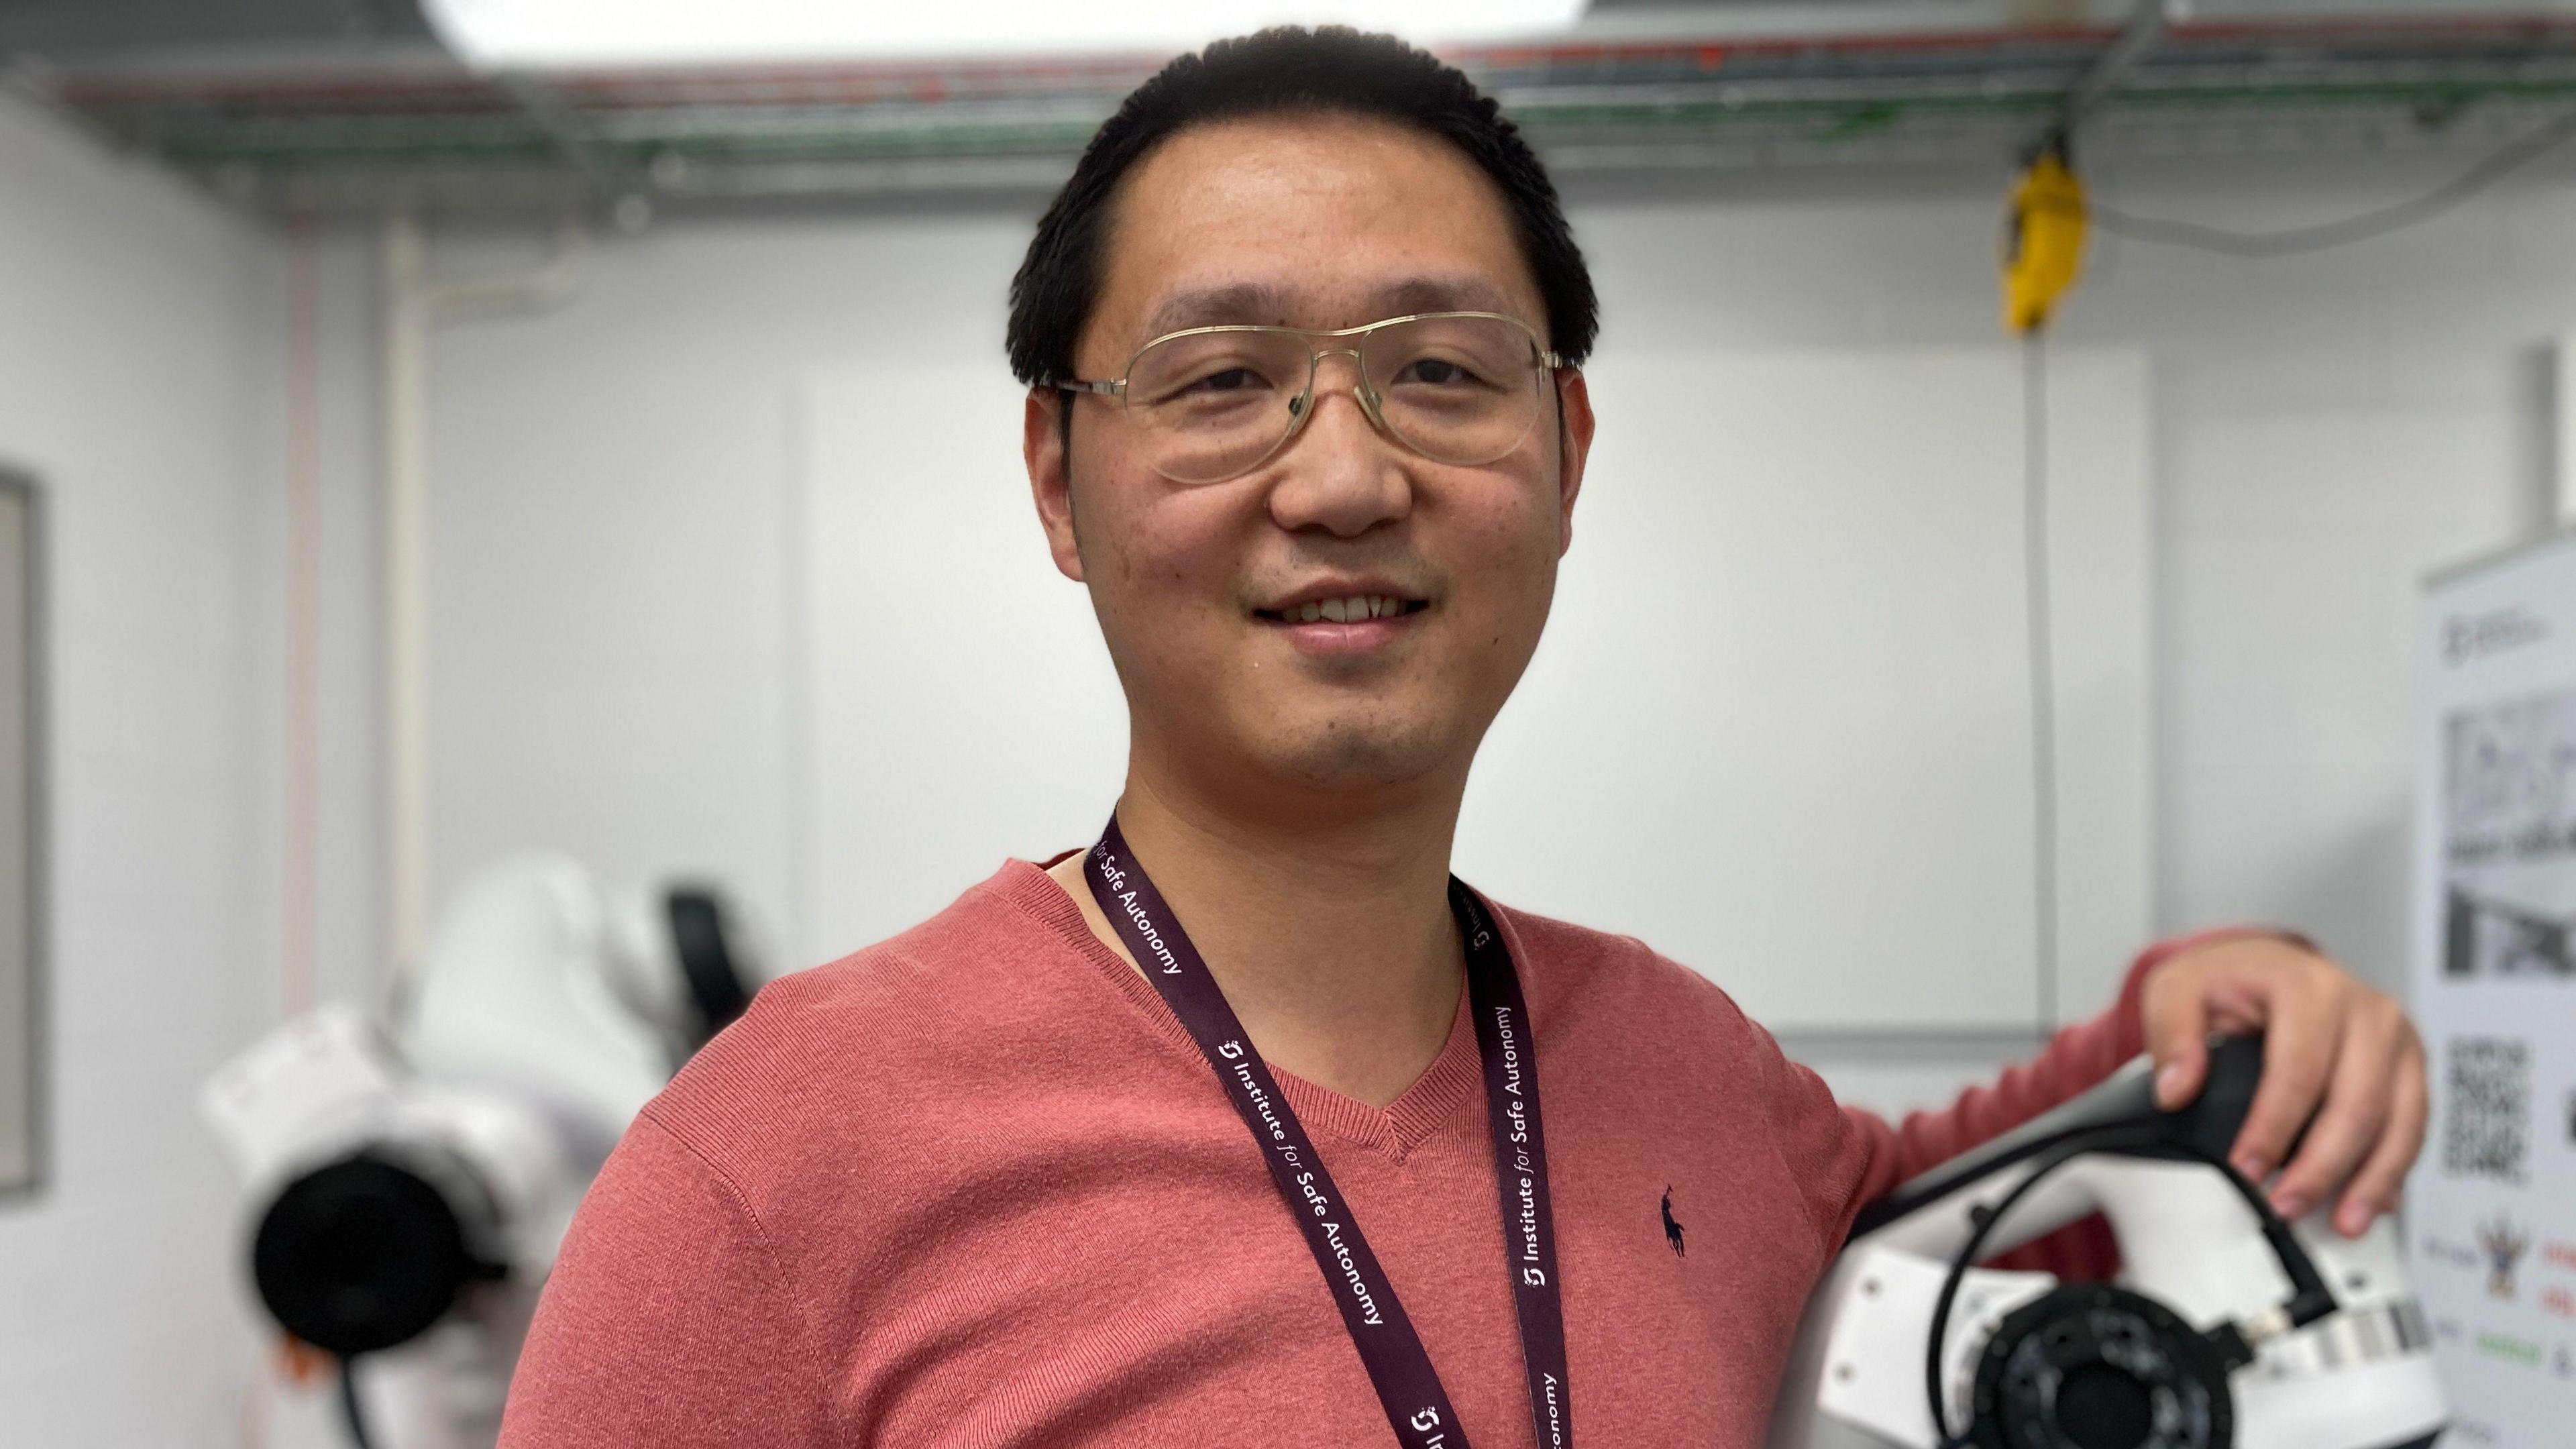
<point x="1287" y="70"/>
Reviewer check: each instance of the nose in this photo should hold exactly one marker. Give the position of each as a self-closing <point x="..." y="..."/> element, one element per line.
<point x="1340" y="473"/>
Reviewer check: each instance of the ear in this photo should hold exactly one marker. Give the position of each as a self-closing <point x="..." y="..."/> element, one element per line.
<point x="1042" y="444"/>
<point x="1574" y="446"/>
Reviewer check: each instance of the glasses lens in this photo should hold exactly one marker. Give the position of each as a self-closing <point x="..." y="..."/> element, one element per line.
<point x="1213" y="404"/>
<point x="1457" y="389"/>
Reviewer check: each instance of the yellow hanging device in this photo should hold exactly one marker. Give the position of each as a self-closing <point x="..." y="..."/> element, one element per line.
<point x="2043" y="239"/>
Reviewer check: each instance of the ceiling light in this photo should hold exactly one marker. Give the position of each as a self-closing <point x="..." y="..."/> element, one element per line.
<point x="574" y="34"/>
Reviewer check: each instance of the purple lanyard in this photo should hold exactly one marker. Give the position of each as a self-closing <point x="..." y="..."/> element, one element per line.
<point x="1416" y="1406"/>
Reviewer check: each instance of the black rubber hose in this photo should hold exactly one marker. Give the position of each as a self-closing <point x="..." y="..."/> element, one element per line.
<point x="2310" y="1299"/>
<point x="349" y="1409"/>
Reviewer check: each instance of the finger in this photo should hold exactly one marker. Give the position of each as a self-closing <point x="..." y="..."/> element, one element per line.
<point x="2175" y="1018"/>
<point x="2299" y="1035"/>
<point x="2374" y="1189"/>
<point x="2368" y="1058"/>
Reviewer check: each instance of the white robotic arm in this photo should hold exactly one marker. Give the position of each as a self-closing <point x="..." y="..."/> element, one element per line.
<point x="410" y="1186"/>
<point x="2227" y="1327"/>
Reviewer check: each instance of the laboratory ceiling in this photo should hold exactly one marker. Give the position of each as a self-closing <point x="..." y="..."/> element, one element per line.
<point x="354" y="107"/>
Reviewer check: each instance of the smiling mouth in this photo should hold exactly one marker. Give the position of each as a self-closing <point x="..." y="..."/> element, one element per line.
<point x="1355" y="609"/>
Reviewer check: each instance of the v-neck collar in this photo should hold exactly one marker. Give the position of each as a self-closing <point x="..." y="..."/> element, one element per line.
<point x="1395" y="1130"/>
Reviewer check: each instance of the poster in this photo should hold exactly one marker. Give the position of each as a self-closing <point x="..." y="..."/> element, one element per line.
<point x="2491" y="1211"/>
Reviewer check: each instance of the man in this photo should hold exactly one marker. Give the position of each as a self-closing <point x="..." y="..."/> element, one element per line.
<point x="990" y="1183"/>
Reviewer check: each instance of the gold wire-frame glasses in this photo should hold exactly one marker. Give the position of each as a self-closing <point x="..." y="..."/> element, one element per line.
<point x="1217" y="402"/>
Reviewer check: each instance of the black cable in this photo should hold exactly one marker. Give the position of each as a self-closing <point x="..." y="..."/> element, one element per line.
<point x="2043" y="671"/>
<point x="2374" y="223"/>
<point x="2070" y="1146"/>
<point x="349" y="1409"/>
<point x="2310" y="1299"/>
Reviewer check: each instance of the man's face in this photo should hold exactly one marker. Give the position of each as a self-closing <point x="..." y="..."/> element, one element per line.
<point x="1322" y="222"/>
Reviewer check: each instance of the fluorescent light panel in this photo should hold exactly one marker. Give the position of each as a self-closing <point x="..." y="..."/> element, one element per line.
<point x="577" y="34"/>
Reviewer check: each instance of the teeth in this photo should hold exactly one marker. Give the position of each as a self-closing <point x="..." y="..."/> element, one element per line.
<point x="1346" y="611"/>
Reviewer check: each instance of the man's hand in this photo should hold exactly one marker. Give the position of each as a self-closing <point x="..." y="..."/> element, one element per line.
<point x="2332" y="1048"/>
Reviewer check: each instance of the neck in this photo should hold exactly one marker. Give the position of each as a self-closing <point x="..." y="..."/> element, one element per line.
<point x="1329" y="930"/>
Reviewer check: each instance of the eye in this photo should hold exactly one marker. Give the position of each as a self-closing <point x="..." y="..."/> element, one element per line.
<point x="1219" y="384"/>
<point x="1232" y="379"/>
<point x="1440" y="372"/>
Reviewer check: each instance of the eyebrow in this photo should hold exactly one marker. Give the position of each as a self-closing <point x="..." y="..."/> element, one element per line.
<point x="1443" y="294"/>
<point x="1254" y="302"/>
<point x="1216" y="306"/>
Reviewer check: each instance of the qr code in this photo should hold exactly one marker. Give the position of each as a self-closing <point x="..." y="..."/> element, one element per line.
<point x="2488" y="1131"/>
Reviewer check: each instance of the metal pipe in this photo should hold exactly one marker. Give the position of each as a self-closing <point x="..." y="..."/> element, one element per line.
<point x="2146" y="27"/>
<point x="406" y="328"/>
<point x="413" y="304"/>
<point x="301" y="708"/>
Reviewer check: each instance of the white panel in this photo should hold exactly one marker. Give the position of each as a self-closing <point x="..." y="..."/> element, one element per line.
<point x="2100" y="537"/>
<point x="963" y="707"/>
<point x="1779" y="726"/>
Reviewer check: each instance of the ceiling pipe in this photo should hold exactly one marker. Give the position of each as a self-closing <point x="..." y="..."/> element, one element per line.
<point x="332" y="81"/>
<point x="2146" y="27"/>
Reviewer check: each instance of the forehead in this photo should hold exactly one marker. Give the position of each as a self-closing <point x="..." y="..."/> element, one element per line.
<point x="1305" y="220"/>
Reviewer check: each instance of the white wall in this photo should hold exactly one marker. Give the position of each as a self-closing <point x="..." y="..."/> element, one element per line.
<point x="135" y="332"/>
<point x="613" y="580"/>
<point x="614" y="486"/>
<point x="2328" y="427"/>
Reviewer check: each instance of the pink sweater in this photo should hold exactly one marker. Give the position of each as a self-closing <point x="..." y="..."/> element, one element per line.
<point x="975" y="1187"/>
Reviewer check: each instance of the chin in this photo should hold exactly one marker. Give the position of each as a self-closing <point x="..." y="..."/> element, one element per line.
<point x="1341" y="755"/>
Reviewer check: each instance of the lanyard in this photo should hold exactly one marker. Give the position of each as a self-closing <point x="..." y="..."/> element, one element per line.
<point x="1416" y="1405"/>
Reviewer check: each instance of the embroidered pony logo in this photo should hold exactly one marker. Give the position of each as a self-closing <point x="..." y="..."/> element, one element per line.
<point x="1672" y="1230"/>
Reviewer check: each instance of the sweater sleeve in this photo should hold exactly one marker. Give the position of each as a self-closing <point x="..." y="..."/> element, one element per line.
<point x="1870" y="1157"/>
<point x="667" y="1321"/>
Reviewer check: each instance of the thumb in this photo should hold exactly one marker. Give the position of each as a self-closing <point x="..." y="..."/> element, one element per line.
<point x="2175" y="1020"/>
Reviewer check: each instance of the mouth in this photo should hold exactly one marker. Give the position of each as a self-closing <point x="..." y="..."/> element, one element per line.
<point x="1345" y="622"/>
<point x="1343" y="609"/>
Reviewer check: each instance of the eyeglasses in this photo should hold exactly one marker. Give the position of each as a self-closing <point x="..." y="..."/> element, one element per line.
<point x="1217" y="402"/>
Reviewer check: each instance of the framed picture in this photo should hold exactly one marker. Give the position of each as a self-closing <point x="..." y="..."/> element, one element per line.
<point x="22" y="841"/>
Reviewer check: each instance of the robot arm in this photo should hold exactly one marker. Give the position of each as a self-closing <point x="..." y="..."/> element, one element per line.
<point x="2227" y="1327"/>
<point x="411" y="1185"/>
